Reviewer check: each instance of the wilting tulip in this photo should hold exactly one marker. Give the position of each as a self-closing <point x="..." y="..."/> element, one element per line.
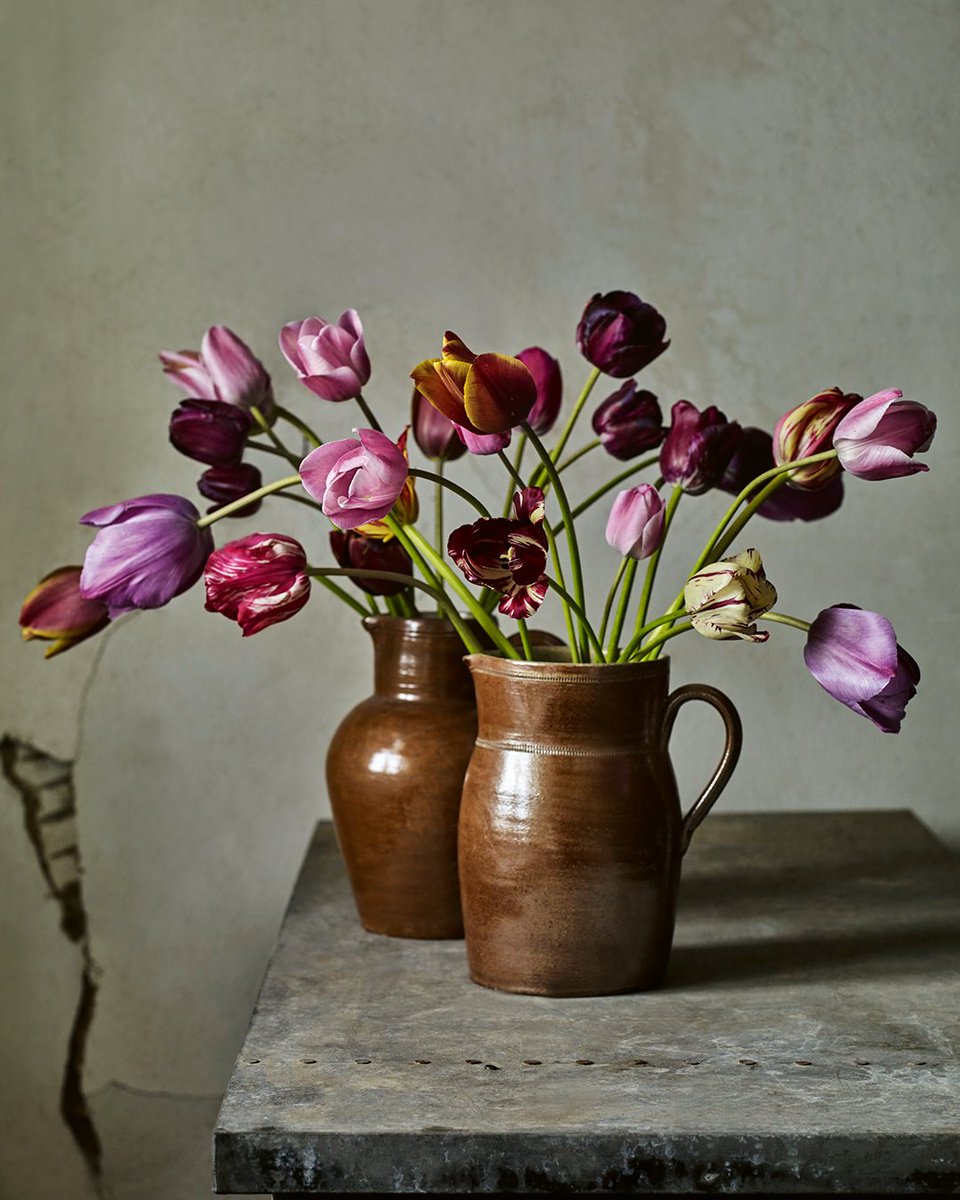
<point x="355" y="481"/>
<point x="854" y="655"/>
<point x="147" y="551"/>
<point x="329" y="358"/>
<point x="698" y="446"/>
<point x="808" y="429"/>
<point x="878" y="438"/>
<point x="725" y="598"/>
<point x="258" y="580"/>
<point x="629" y="421"/>
<point x="210" y="431"/>
<point x="620" y="334"/>
<point x="483" y="393"/>
<point x="635" y="524"/>
<point x="546" y="375"/>
<point x="224" y="368"/>
<point x="508" y="555"/>
<point x="226" y="484"/>
<point x="56" y="612"/>
<point x="753" y="457"/>
<point x="435" y="434"/>
<point x="352" y="549"/>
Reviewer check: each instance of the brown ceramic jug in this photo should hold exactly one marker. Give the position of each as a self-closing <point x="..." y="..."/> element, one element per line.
<point x="395" y="770"/>
<point x="571" y="832"/>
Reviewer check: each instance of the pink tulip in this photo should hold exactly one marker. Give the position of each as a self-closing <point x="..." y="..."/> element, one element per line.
<point x="355" y="481"/>
<point x="483" y="443"/>
<point x="258" y="580"/>
<point x="878" y="438"/>
<point x="224" y="368"/>
<point x="635" y="525"/>
<point x="57" y="612"/>
<point x="329" y="358"/>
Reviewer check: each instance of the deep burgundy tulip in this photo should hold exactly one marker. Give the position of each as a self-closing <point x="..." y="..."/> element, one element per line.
<point x="753" y="457"/>
<point x="56" y="612"/>
<point x="698" y="447"/>
<point x="854" y="655"/>
<point x="483" y="393"/>
<point x="223" y="485"/>
<point x="330" y="358"/>
<point x="210" y="431"/>
<point x="546" y="375"/>
<point x="878" y="438"/>
<point x="808" y="429"/>
<point x="224" y="368"/>
<point x="258" y="580"/>
<point x="507" y="554"/>
<point x="147" y="551"/>
<point x="621" y="334"/>
<point x="356" y="481"/>
<point x="629" y="421"/>
<point x="352" y="549"/>
<point x="635" y="524"/>
<point x="435" y="434"/>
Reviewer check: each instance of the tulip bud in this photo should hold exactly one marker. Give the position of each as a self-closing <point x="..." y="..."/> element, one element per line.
<point x="224" y="368"/>
<point x="724" y="599"/>
<point x="329" y="358"/>
<point x="258" y="580"/>
<point x="210" y="431"/>
<point x="351" y="549"/>
<point x="629" y="421"/>
<point x="878" y="438"/>
<point x="56" y="612"/>
<point x="698" y="446"/>
<point x="808" y="429"/>
<point x="620" y="334"/>
<point x="635" y="525"/>
<point x="435" y="434"/>
<point x="223" y="485"/>
<point x="546" y="375"/>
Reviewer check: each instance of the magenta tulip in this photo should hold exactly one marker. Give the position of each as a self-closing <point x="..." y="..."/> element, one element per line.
<point x="329" y="358"/>
<point x="224" y="368"/>
<point x="147" y="551"/>
<point x="258" y="580"/>
<point x="854" y="655"/>
<point x="483" y="443"/>
<point x="210" y="431"/>
<point x="355" y="481"/>
<point x="753" y="457"/>
<point x="223" y="485"/>
<point x="435" y="434"/>
<point x="546" y="375"/>
<point x="620" y="334"/>
<point x="698" y="447"/>
<point x="56" y="612"/>
<point x="635" y="524"/>
<point x="352" y="549"/>
<point x="629" y="421"/>
<point x="878" y="438"/>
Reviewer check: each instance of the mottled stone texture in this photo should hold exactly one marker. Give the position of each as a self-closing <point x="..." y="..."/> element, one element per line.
<point x="805" y="1039"/>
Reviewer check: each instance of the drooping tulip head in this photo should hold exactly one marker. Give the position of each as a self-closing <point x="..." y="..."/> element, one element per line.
<point x="620" y="334"/>
<point x="808" y="429"/>
<point x="435" y="434"/>
<point x="210" y="431"/>
<point x="355" y="481"/>
<point x="697" y="447"/>
<point x="224" y="368"/>
<point x="629" y="421"/>
<point x="258" y="580"/>
<point x="635" y="524"/>
<point x="546" y="375"/>
<point x="223" y="485"/>
<point x="329" y="357"/>
<point x="56" y="612"/>
<point x="352" y="549"/>
<point x="878" y="438"/>
<point x="725" y="598"/>
<point x="483" y="393"/>
<point x="753" y="457"/>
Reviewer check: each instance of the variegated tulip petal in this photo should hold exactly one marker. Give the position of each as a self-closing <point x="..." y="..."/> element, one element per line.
<point x="499" y="393"/>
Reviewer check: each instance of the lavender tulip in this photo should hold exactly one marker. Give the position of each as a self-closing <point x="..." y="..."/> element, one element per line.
<point x="698" y="447"/>
<point x="258" y="580"/>
<point x="854" y="655"/>
<point x="330" y="358"/>
<point x="223" y="485"/>
<point x="878" y="438"/>
<point x="724" y="599"/>
<point x="435" y="434"/>
<point x="620" y="334"/>
<point x="629" y="421"/>
<point x="352" y="549"/>
<point x="56" y="612"/>
<point x="147" y="551"/>
<point x="355" y="481"/>
<point x="753" y="457"/>
<point x="546" y="375"/>
<point x="224" y="368"/>
<point x="210" y="431"/>
<point x="635" y="525"/>
<point x="808" y="429"/>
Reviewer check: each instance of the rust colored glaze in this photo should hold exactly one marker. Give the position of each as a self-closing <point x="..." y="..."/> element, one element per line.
<point x="395" y="770"/>
<point x="571" y="832"/>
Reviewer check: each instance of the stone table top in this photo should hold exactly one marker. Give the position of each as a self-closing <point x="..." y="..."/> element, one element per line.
<point x="806" y="1038"/>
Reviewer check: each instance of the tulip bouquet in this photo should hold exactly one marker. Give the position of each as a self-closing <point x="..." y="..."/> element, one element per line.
<point x="149" y="549"/>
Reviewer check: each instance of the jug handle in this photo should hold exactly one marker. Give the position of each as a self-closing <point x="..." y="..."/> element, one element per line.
<point x="728" y="759"/>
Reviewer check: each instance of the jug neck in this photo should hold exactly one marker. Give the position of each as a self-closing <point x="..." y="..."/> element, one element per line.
<point x="418" y="658"/>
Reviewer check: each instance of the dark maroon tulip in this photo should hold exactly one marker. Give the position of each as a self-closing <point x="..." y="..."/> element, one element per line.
<point x="752" y="457"/>
<point x="629" y="421"/>
<point x="698" y="447"/>
<point x="507" y="554"/>
<point x="620" y="333"/>
<point x="210" y="431"/>
<point x="546" y="374"/>
<point x="435" y="434"/>
<point x="352" y="549"/>
<point x="223" y="485"/>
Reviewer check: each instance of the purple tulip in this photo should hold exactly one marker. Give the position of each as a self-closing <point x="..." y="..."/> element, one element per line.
<point x="698" y="447"/>
<point x="224" y="368"/>
<point x="753" y="457"/>
<point x="854" y="655"/>
<point x="546" y="374"/>
<point x="147" y="551"/>
<point x="507" y="554"/>
<point x="878" y="438"/>
<point x="352" y="549"/>
<point x="56" y="612"/>
<point x="807" y="430"/>
<point x="629" y="421"/>
<point x="223" y="485"/>
<point x="435" y="434"/>
<point x="329" y="358"/>
<point x="635" y="525"/>
<point x="620" y="333"/>
<point x="483" y="443"/>
<point x="258" y="580"/>
<point x="355" y="481"/>
<point x="210" y="431"/>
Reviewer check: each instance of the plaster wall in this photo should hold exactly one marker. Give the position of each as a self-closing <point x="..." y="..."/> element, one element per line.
<point x="780" y="179"/>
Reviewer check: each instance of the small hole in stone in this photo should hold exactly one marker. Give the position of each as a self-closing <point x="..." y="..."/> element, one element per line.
<point x="422" y="1062"/>
<point x="308" y="1062"/>
<point x="640" y="1062"/>
<point x="532" y="1062"/>
<point x="803" y="1062"/>
<point x="693" y="1062"/>
<point x="862" y="1062"/>
<point x="747" y="1062"/>
<point x="490" y="1067"/>
<point x="473" y="1062"/>
<point x="253" y="1061"/>
<point x="362" y="1061"/>
<point x="584" y="1062"/>
<point x="921" y="1063"/>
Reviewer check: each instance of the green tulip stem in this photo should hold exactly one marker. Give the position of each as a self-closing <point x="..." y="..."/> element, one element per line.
<point x="627" y="653"/>
<point x="365" y="409"/>
<point x="299" y="500"/>
<point x="558" y="449"/>
<point x="582" y="617"/>
<point x="301" y="426"/>
<point x="612" y="483"/>
<point x="654" y="562"/>
<point x="438" y="539"/>
<point x="252" y="444"/>
<point x="344" y="595"/>
<point x="572" y="458"/>
<point x="442" y="481"/>
<point x="513" y="469"/>
<point x="657" y="643"/>
<point x="783" y="619"/>
<point x="271" y="433"/>
<point x="372" y="603"/>
<point x="235" y="505"/>
<point x="515" y="477"/>
<point x="625" y="572"/>
<point x="525" y="640"/>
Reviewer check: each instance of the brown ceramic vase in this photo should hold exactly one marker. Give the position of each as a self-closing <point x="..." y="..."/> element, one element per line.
<point x="395" y="770"/>
<point x="571" y="831"/>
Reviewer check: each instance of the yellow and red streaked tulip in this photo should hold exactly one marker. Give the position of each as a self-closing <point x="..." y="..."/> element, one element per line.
<point x="878" y="438"/>
<point x="210" y="431"/>
<point x="56" y="612"/>
<point x="808" y="429"/>
<point x="223" y="485"/>
<point x="620" y="334"/>
<point x="329" y="357"/>
<point x="697" y="447"/>
<point x="258" y="580"/>
<point x="725" y="598"/>
<point x="635" y="524"/>
<point x="224" y="368"/>
<point x="629" y="421"/>
<point x="483" y="393"/>
<point x="355" y="481"/>
<point x="352" y="549"/>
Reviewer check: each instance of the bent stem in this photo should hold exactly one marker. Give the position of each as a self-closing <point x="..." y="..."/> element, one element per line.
<point x="572" y="458"/>
<point x="235" y="505"/>
<point x="634" y="644"/>
<point x="513" y="469"/>
<point x="655" y="558"/>
<point x="652" y="649"/>
<point x="300" y="426"/>
<point x="442" y="481"/>
<point x="271" y="433"/>
<point x="784" y="619"/>
<point x="612" y="483"/>
<point x="618" y="576"/>
<point x="582" y="617"/>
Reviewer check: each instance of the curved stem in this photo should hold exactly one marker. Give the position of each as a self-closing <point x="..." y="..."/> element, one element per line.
<point x="443" y="481"/>
<point x="628" y="567"/>
<point x="515" y="475"/>
<point x="572" y="458"/>
<point x="438" y="538"/>
<point x="343" y="595"/>
<point x="634" y="644"/>
<point x="301" y="426"/>
<point x="365" y="409"/>
<point x="581" y="616"/>
<point x="608" y="605"/>
<point x="783" y="619"/>
<point x="656" y="645"/>
<point x="513" y="469"/>
<point x="265" y="449"/>
<point x="525" y="640"/>
<point x="300" y="500"/>
<point x="612" y="483"/>
<point x="277" y="486"/>
<point x="571" y="421"/>
<point x="271" y="433"/>
<point x="655" y="558"/>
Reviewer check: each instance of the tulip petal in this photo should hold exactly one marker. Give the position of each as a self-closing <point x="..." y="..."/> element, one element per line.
<point x="499" y="393"/>
<point x="851" y="652"/>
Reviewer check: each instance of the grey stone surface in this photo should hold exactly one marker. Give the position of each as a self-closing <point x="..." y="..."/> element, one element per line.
<point x="806" y="1038"/>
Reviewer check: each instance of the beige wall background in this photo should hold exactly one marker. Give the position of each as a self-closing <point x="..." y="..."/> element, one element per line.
<point x="779" y="178"/>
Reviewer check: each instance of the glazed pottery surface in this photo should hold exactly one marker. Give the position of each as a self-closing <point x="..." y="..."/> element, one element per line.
<point x="571" y="831"/>
<point x="395" y="771"/>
